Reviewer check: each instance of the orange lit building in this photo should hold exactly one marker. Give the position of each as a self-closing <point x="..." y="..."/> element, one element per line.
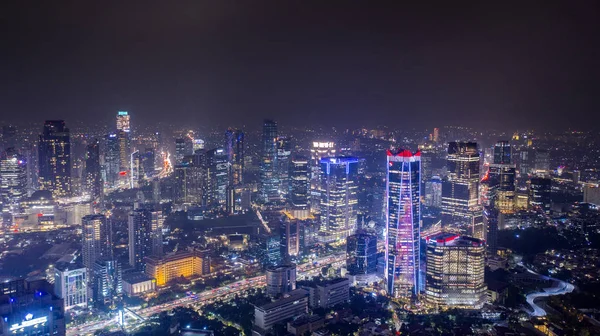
<point x="184" y="264"/>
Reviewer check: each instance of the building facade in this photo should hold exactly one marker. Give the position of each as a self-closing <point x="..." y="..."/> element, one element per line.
<point x="55" y="158"/>
<point x="460" y="188"/>
<point x="269" y="182"/>
<point x="183" y="264"/>
<point x="71" y="284"/>
<point x="403" y="235"/>
<point x="281" y="279"/>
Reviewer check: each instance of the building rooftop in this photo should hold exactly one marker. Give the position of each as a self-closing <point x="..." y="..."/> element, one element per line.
<point x="290" y="297"/>
<point x="135" y="277"/>
<point x="452" y="239"/>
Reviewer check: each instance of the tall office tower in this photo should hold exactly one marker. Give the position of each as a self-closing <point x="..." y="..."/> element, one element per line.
<point x="123" y="121"/>
<point x="502" y="174"/>
<point x="284" y="152"/>
<point x="490" y="220"/>
<point x="361" y="254"/>
<point x="197" y="144"/>
<point x="271" y="249"/>
<point x="55" y="158"/>
<point x="191" y="179"/>
<point x="111" y="160"/>
<point x="281" y="279"/>
<point x="525" y="162"/>
<point x="183" y="147"/>
<point x="540" y="190"/>
<point x="339" y="199"/>
<point x="145" y="235"/>
<point x="299" y="187"/>
<point x="71" y="284"/>
<point x="136" y="170"/>
<point x="9" y="137"/>
<point x="269" y="183"/>
<point x="455" y="272"/>
<point x="460" y="188"/>
<point x="96" y="239"/>
<point x="403" y="208"/>
<point x="318" y="151"/>
<point x="93" y="173"/>
<point x="13" y="180"/>
<point x="123" y="142"/>
<point x="290" y="238"/>
<point x="218" y="177"/>
<point x="502" y="152"/>
<point x="107" y="284"/>
<point x="148" y="158"/>
<point x="234" y="148"/>
<point x="433" y="193"/>
<point x="542" y="160"/>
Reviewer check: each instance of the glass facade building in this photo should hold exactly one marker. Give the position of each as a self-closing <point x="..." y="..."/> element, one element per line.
<point x="403" y="220"/>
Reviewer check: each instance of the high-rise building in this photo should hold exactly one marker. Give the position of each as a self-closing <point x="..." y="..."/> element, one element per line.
<point x="123" y="121"/>
<point x="299" y="187"/>
<point x="269" y="183"/>
<point x="361" y="254"/>
<point x="490" y="220"/>
<point x="281" y="279"/>
<point x="455" y="272"/>
<point x="123" y="143"/>
<point x="591" y="194"/>
<point x="13" y="180"/>
<point x="290" y="238"/>
<point x="540" y="190"/>
<point x="192" y="180"/>
<point x="93" y="171"/>
<point x="145" y="235"/>
<point x="96" y="239"/>
<point x="542" y="160"/>
<point x="111" y="160"/>
<point x="502" y="174"/>
<point x="403" y="208"/>
<point x="70" y="284"/>
<point x="460" y="188"/>
<point x="107" y="281"/>
<point x="319" y="150"/>
<point x="55" y="158"/>
<point x="284" y="152"/>
<point x="183" y="147"/>
<point x="148" y="158"/>
<point x="271" y="250"/>
<point x="9" y="137"/>
<point x="339" y="201"/>
<point x="436" y="135"/>
<point x="433" y="194"/>
<point x="234" y="149"/>
<point x="217" y="170"/>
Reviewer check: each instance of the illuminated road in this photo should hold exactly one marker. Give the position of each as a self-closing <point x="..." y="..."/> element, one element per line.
<point x="201" y="298"/>
<point x="559" y="288"/>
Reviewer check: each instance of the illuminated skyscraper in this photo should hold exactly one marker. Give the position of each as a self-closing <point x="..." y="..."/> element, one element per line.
<point x="403" y="210"/>
<point x="145" y="235"/>
<point x="234" y="148"/>
<point x="502" y="176"/>
<point x="290" y="238"/>
<point x="123" y="142"/>
<point x="111" y="160"/>
<point x="339" y="199"/>
<point x="13" y="180"/>
<point x="93" y="173"/>
<point x="318" y="150"/>
<point x="540" y="190"/>
<point x="96" y="241"/>
<point x="284" y="152"/>
<point x="460" y="188"/>
<point x="123" y="121"/>
<point x="217" y="169"/>
<point x="269" y="183"/>
<point x="299" y="187"/>
<point x="455" y="272"/>
<point x="361" y="254"/>
<point x="183" y="147"/>
<point x="107" y="282"/>
<point x="55" y="158"/>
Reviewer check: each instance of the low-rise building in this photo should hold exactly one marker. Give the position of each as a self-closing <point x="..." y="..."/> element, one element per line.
<point x="329" y="293"/>
<point x="305" y="324"/>
<point x="138" y="283"/>
<point x="294" y="303"/>
<point x="183" y="264"/>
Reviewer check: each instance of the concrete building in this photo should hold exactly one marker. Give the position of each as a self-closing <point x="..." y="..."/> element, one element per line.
<point x="182" y="264"/>
<point x="70" y="284"/>
<point x="135" y="284"/>
<point x="293" y="304"/>
<point x="329" y="293"/>
<point x="455" y="272"/>
<point x="281" y="279"/>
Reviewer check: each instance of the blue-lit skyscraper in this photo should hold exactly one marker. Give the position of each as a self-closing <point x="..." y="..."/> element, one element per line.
<point x="403" y="214"/>
<point x="269" y="183"/>
<point x="339" y="198"/>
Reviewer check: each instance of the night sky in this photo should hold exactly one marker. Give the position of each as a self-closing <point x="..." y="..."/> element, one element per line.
<point x="488" y="63"/>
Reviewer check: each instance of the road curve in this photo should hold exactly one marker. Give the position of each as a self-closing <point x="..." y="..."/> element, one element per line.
<point x="559" y="288"/>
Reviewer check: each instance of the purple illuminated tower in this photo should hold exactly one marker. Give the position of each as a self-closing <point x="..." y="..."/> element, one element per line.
<point x="403" y="218"/>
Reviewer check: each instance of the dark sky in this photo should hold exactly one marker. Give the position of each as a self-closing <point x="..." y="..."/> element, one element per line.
<point x="346" y="63"/>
